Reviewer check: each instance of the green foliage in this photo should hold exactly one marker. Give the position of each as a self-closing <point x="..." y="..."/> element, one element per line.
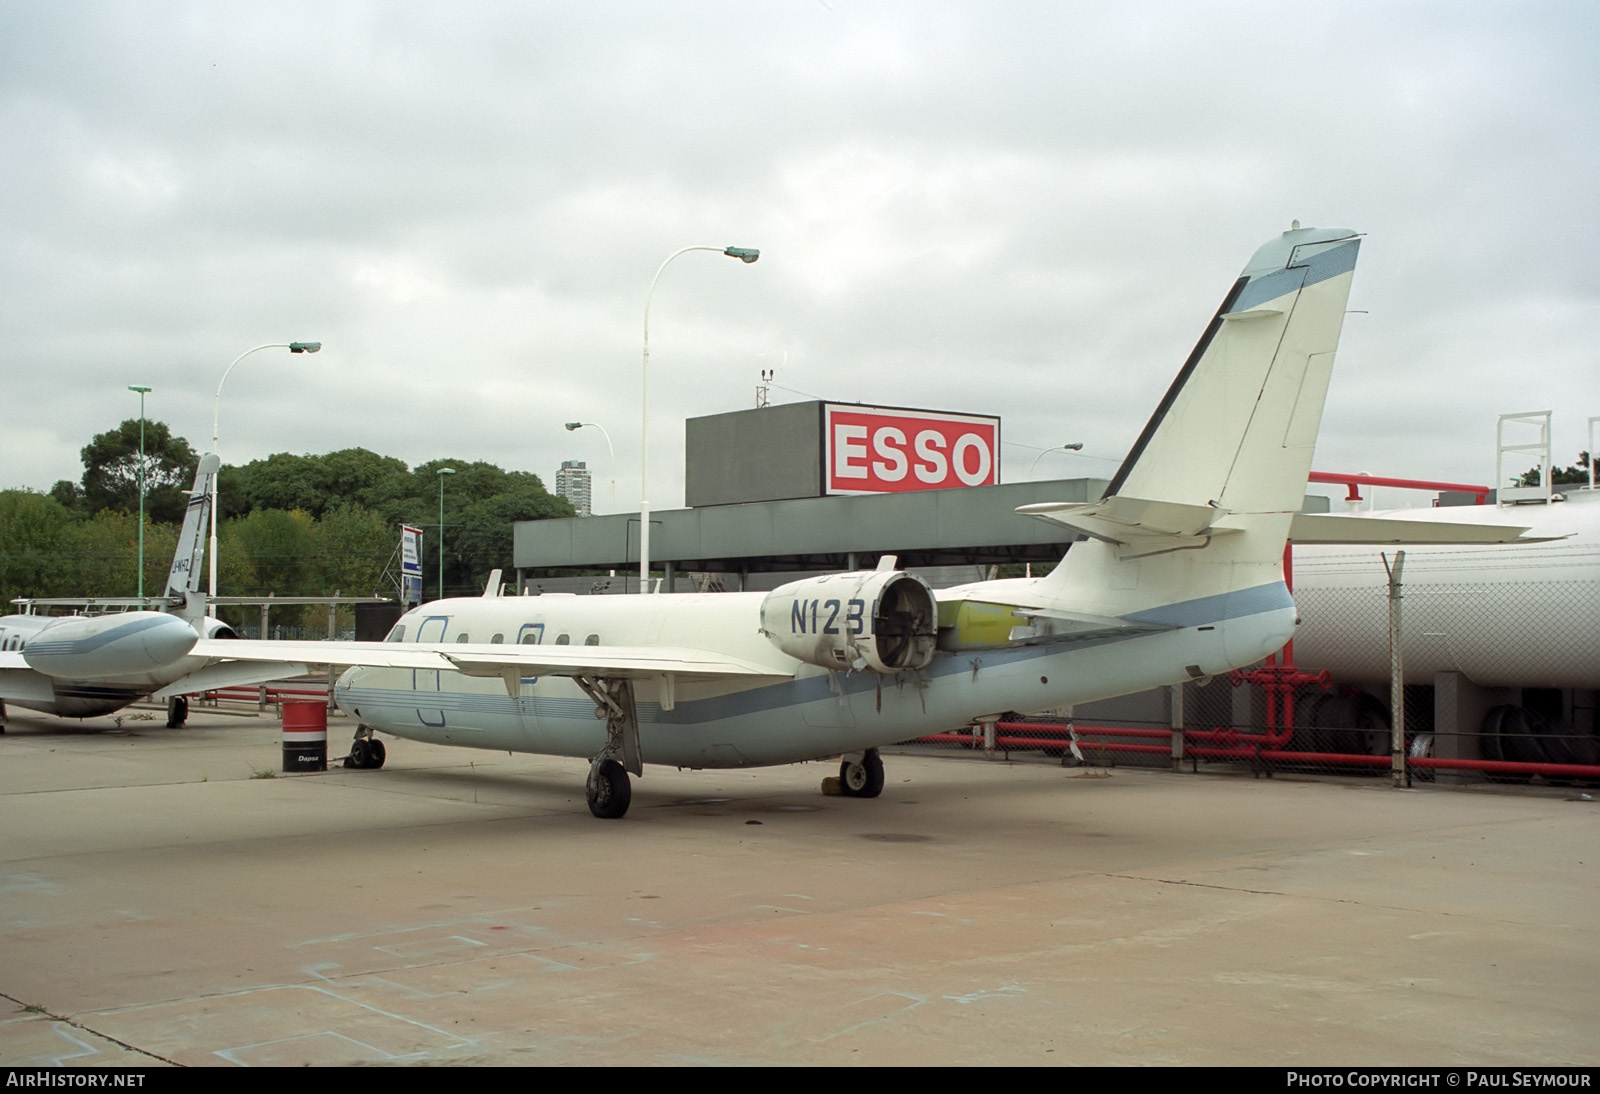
<point x="353" y="547"/>
<point x="315" y="484"/>
<point x="291" y="525"/>
<point x="1577" y="474"/>
<point x="111" y="471"/>
<point x="33" y="532"/>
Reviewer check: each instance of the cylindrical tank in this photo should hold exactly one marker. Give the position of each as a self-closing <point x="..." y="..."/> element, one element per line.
<point x="1513" y="615"/>
<point x="305" y="736"/>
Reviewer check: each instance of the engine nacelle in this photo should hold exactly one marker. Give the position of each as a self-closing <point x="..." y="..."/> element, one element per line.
<point x="878" y="620"/>
<point x="108" y="646"/>
<point x="212" y="627"/>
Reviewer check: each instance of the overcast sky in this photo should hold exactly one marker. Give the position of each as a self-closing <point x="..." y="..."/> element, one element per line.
<point x="1022" y="209"/>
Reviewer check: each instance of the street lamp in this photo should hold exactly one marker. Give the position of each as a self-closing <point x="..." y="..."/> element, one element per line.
<point x="579" y="425"/>
<point x="143" y="391"/>
<point x="443" y="471"/>
<point x="1076" y="446"/>
<point x="216" y="404"/>
<point x="743" y="254"/>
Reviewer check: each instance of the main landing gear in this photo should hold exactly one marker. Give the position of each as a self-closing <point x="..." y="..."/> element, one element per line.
<point x="608" y="791"/>
<point x="367" y="753"/>
<point x="177" y="711"/>
<point x="861" y="774"/>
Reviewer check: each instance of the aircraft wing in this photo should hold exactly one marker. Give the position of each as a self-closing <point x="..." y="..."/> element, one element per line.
<point x="20" y="684"/>
<point x="238" y="661"/>
<point x="615" y="662"/>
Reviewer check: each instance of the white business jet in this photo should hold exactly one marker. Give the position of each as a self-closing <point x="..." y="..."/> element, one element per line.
<point x="80" y="666"/>
<point x="1179" y="575"/>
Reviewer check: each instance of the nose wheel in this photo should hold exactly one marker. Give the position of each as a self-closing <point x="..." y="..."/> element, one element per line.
<point x="366" y="753"/>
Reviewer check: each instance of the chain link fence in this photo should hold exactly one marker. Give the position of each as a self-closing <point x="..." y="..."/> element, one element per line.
<point x="1330" y="711"/>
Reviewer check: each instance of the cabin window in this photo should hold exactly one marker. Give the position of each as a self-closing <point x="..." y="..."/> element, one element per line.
<point x="563" y="639"/>
<point x="398" y="634"/>
<point x="463" y="637"/>
<point x="592" y="640"/>
<point x="497" y="640"/>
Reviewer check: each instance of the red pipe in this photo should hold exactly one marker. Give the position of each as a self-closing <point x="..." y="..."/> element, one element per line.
<point x="1246" y="747"/>
<point x="1352" y="481"/>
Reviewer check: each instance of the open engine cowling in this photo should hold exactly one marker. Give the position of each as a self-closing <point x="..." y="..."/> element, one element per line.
<point x="877" y="620"/>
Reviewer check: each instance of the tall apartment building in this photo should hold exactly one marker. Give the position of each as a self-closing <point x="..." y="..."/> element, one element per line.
<point x="572" y="483"/>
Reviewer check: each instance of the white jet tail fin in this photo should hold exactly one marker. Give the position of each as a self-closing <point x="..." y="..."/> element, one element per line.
<point x="1201" y="506"/>
<point x="183" y="580"/>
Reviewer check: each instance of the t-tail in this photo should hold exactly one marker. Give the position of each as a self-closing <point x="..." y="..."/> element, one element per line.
<point x="183" y="580"/>
<point x="1194" y="522"/>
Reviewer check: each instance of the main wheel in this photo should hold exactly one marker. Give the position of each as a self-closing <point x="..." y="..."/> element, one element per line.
<point x="177" y="712"/>
<point x="863" y="779"/>
<point x="609" y="790"/>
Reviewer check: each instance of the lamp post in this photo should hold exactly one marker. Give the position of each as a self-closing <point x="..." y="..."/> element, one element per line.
<point x="143" y="391"/>
<point x="443" y="471"/>
<point x="216" y="405"/>
<point x="743" y="254"/>
<point x="595" y="425"/>
<point x="1076" y="446"/>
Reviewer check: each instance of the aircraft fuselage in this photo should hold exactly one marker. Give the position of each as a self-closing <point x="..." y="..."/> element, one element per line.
<point x="812" y="712"/>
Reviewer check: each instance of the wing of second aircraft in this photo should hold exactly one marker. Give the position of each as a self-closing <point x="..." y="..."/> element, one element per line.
<point x="239" y="662"/>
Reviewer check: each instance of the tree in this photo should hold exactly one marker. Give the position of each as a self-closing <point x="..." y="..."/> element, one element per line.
<point x="34" y="529"/>
<point x="1577" y="474"/>
<point x="278" y="551"/>
<point x="354" y="545"/>
<point x="111" y="470"/>
<point x="481" y="538"/>
<point x="352" y="476"/>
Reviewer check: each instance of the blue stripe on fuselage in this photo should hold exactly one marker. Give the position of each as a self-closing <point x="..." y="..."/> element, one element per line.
<point x="1203" y="611"/>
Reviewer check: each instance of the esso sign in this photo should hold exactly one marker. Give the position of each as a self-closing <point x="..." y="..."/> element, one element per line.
<point x="874" y="451"/>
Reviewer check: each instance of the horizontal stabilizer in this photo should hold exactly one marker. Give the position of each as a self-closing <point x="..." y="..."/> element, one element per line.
<point x="1146" y="526"/>
<point x="1333" y="528"/>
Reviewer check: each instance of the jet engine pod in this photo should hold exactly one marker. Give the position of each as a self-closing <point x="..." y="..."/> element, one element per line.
<point x="882" y="620"/>
<point x="108" y="646"/>
<point x="212" y="627"/>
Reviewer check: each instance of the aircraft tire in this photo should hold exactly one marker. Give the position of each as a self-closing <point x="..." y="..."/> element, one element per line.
<point x="376" y="753"/>
<point x="864" y="779"/>
<point x="177" y="712"/>
<point x="609" y="791"/>
<point x="360" y="755"/>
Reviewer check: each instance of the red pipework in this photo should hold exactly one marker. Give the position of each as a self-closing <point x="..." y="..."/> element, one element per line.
<point x="1352" y="481"/>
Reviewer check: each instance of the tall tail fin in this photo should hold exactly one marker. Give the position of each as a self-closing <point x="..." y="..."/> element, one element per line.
<point x="1205" y="495"/>
<point x="183" y="580"/>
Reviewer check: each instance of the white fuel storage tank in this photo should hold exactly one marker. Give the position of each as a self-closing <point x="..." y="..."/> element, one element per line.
<point x="1517" y="615"/>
